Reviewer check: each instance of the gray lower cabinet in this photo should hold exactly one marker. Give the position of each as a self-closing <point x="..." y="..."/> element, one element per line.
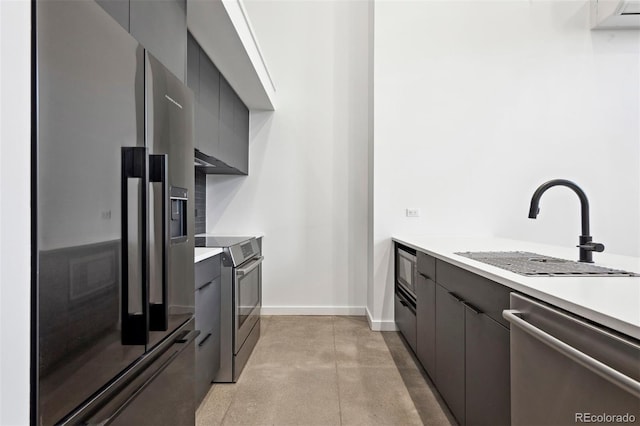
<point x="472" y="346"/>
<point x="159" y="25"/>
<point x="426" y="323"/>
<point x="487" y="383"/>
<point x="450" y="351"/>
<point x="455" y="327"/>
<point x="426" y="312"/>
<point x="207" y="298"/>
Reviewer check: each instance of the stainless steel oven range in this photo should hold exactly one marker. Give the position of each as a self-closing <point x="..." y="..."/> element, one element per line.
<point x="241" y="300"/>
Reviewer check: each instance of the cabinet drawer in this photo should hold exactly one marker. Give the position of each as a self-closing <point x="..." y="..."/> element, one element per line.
<point x="208" y="308"/>
<point x="406" y="321"/>
<point x="427" y="266"/>
<point x="488" y="296"/>
<point x="207" y="362"/>
<point x="207" y="270"/>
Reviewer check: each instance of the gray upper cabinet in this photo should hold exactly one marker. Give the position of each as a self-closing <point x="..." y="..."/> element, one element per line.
<point x="193" y="67"/>
<point x="227" y="110"/>
<point x="161" y="27"/>
<point x="241" y="133"/>
<point x="234" y="129"/>
<point x="222" y="119"/>
<point x="118" y="9"/>
<point x="207" y="119"/>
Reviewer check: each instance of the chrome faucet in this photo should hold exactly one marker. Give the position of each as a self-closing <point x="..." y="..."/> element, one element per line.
<point x="586" y="245"/>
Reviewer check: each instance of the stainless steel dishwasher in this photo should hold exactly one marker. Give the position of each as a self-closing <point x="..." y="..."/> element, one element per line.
<point x="567" y="371"/>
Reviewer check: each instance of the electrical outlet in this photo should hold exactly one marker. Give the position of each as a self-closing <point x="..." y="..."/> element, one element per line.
<point x="413" y="212"/>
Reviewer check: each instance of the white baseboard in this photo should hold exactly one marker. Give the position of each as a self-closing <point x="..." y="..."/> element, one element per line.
<point x="313" y="310"/>
<point x="376" y="325"/>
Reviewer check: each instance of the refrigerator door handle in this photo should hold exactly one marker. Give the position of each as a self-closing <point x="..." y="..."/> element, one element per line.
<point x="159" y="312"/>
<point x="135" y="273"/>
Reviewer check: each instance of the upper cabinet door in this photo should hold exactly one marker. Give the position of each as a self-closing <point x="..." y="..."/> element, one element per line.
<point x="241" y="132"/>
<point x="227" y="110"/>
<point x="118" y="9"/>
<point x="193" y="66"/>
<point x="207" y="120"/>
<point x="161" y="27"/>
<point x="234" y="129"/>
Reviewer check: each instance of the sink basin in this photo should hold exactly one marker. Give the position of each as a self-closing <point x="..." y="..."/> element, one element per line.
<point x="532" y="264"/>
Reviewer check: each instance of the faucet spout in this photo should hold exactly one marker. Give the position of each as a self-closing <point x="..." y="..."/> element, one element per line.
<point x="534" y="209"/>
<point x="585" y="243"/>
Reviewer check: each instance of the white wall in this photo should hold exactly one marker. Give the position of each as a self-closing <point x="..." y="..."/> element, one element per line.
<point x="308" y="172"/>
<point x="14" y="211"/>
<point x="477" y="103"/>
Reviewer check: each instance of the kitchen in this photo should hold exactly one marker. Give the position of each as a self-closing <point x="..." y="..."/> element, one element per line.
<point x="496" y="98"/>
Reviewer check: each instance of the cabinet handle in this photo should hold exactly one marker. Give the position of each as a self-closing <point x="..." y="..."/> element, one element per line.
<point x="472" y="308"/>
<point x="204" y="340"/>
<point x="455" y="296"/>
<point x="425" y="276"/>
<point x="206" y="285"/>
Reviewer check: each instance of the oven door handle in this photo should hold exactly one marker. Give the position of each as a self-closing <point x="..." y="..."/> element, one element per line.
<point x="253" y="265"/>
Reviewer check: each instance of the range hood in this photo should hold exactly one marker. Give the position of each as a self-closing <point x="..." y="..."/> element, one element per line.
<point x="615" y="14"/>
<point x="212" y="166"/>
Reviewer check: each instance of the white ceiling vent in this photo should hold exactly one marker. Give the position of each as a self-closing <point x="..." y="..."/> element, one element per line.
<point x="615" y="14"/>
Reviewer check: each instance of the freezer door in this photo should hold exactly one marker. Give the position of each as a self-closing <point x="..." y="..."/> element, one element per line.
<point x="169" y="137"/>
<point x="159" y="390"/>
<point x="90" y="104"/>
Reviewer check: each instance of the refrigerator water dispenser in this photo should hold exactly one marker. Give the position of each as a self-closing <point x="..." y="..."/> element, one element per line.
<point x="178" y="222"/>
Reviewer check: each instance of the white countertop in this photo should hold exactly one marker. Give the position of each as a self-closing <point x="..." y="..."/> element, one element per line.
<point x="610" y="301"/>
<point x="202" y="253"/>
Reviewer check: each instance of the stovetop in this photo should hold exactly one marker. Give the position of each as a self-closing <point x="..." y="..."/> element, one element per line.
<point x="220" y="242"/>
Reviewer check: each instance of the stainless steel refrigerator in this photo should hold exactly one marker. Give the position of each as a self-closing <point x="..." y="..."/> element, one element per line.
<point x="113" y="220"/>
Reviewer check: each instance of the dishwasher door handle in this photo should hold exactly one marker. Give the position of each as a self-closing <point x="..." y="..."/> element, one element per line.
<point x="603" y="370"/>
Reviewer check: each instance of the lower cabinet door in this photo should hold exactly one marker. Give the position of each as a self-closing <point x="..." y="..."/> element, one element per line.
<point x="207" y="307"/>
<point x="426" y="324"/>
<point x="487" y="371"/>
<point x="207" y="363"/>
<point x="405" y="318"/>
<point x="450" y="351"/>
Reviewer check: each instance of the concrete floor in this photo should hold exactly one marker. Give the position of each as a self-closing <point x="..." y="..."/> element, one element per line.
<point x="326" y="370"/>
